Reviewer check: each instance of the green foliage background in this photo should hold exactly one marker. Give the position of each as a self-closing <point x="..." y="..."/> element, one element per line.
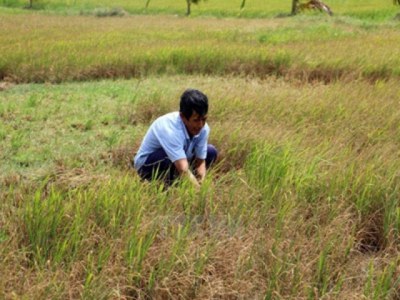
<point x="369" y="9"/>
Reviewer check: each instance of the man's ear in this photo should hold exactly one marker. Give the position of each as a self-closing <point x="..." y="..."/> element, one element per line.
<point x="182" y="115"/>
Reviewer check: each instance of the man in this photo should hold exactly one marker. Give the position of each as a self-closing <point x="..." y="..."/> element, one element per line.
<point x="177" y="141"/>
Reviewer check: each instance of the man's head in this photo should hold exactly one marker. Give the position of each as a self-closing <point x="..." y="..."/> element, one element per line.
<point x="193" y="110"/>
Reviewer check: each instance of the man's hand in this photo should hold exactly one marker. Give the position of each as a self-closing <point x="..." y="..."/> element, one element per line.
<point x="182" y="166"/>
<point x="200" y="168"/>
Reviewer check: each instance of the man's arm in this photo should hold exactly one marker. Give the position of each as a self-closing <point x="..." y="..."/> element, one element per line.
<point x="182" y="166"/>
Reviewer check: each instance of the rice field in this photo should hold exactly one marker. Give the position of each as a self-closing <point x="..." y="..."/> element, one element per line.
<point x="302" y="204"/>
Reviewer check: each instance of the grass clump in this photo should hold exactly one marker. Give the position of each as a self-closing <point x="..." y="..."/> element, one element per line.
<point x="110" y="12"/>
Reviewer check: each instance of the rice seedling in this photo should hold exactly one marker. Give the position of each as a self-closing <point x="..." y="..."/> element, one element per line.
<point x="382" y="282"/>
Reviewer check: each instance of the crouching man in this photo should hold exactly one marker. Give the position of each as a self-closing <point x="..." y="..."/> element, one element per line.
<point x="176" y="143"/>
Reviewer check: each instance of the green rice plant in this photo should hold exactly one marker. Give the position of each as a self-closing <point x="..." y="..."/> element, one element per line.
<point x="305" y="179"/>
<point x="391" y="220"/>
<point x="112" y="139"/>
<point x="56" y="229"/>
<point x="368" y="286"/>
<point x="3" y="132"/>
<point x="94" y="288"/>
<point x="323" y="272"/>
<point x="88" y="125"/>
<point x="282" y="62"/>
<point x="18" y="140"/>
<point x="206" y="200"/>
<point x="32" y="101"/>
<point x="349" y="246"/>
<point x="42" y="220"/>
<point x="137" y="249"/>
<point x="188" y="197"/>
<point x="118" y="205"/>
<point x="202" y="257"/>
<point x="363" y="197"/>
<point x="280" y="268"/>
<point x="384" y="284"/>
<point x="3" y="236"/>
<point x="273" y="283"/>
<point x="284" y="212"/>
<point x="267" y="169"/>
<point x="397" y="221"/>
<point x="181" y="240"/>
<point x="70" y="240"/>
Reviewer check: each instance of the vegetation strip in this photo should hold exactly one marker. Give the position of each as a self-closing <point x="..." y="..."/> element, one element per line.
<point x="84" y="48"/>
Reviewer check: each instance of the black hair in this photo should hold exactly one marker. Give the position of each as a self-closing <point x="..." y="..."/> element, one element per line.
<point x="193" y="100"/>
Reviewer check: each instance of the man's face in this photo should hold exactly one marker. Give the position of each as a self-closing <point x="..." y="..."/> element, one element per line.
<point x="194" y="124"/>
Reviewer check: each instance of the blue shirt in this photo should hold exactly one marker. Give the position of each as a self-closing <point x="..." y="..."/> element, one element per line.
<point x="169" y="133"/>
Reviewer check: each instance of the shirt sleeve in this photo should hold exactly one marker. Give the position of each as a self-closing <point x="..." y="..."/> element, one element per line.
<point x="200" y="149"/>
<point x="171" y="141"/>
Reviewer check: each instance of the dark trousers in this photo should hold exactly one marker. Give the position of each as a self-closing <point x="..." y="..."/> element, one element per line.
<point x="158" y="165"/>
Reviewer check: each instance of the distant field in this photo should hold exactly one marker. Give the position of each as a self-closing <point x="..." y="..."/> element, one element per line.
<point x="304" y="202"/>
<point x="51" y="48"/>
<point x="369" y="9"/>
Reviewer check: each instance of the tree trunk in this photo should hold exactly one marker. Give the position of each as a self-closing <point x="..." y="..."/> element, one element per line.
<point x="242" y="7"/>
<point x="30" y="3"/>
<point x="188" y="7"/>
<point x="294" y="4"/>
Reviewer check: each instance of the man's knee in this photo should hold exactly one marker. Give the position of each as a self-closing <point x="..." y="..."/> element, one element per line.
<point x="212" y="154"/>
<point x="156" y="165"/>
